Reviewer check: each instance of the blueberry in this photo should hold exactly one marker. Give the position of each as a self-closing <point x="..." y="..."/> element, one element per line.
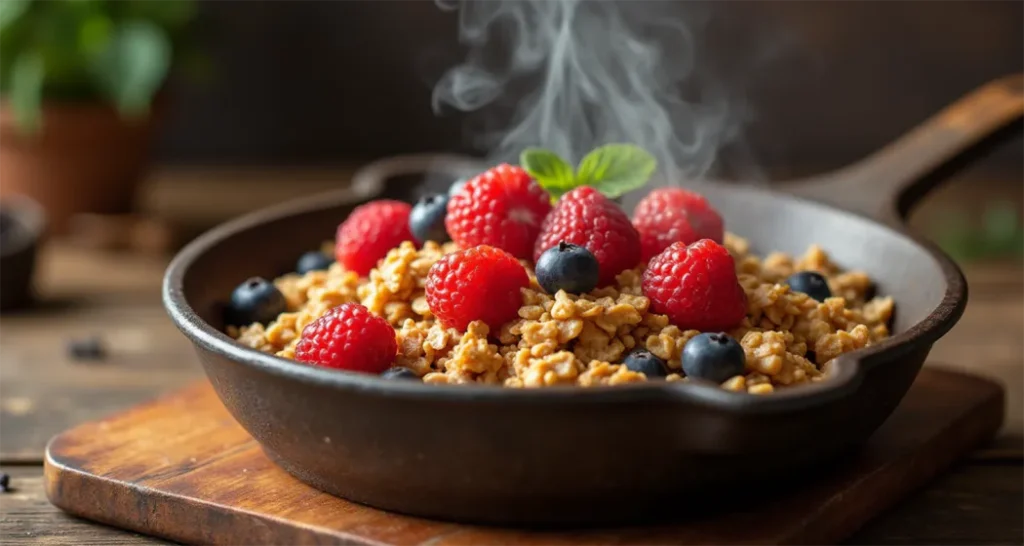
<point x="426" y="221"/>
<point x="715" y="357"/>
<point x="810" y="283"/>
<point x="457" y="186"/>
<point x="568" y="267"/>
<point x="399" y="372"/>
<point x="255" y="300"/>
<point x="5" y="482"/>
<point x="313" y="261"/>
<point x="642" y="360"/>
<point x="90" y="348"/>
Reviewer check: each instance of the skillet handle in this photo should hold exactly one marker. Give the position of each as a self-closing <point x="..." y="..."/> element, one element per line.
<point x="402" y="176"/>
<point x="889" y="182"/>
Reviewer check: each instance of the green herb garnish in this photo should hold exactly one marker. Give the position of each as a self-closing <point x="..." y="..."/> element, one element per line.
<point x="612" y="169"/>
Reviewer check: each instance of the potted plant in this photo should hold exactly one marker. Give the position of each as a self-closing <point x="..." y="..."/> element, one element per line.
<point x="81" y="88"/>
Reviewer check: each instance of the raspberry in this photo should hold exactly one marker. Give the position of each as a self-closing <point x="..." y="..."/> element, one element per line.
<point x="502" y="207"/>
<point x="587" y="218"/>
<point x="369" y="232"/>
<point x="479" y="283"/>
<point x="695" y="286"/>
<point x="670" y="215"/>
<point x="348" y="337"/>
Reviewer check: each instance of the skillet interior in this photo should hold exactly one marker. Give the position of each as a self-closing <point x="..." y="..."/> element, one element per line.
<point x="552" y="456"/>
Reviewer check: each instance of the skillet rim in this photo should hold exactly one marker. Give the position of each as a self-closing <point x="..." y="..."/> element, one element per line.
<point x="847" y="375"/>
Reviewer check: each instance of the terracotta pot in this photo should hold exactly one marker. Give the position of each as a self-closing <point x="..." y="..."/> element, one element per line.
<point x="86" y="158"/>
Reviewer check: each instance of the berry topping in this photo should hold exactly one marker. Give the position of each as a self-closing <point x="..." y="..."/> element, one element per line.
<point x="426" y="221"/>
<point x="714" y="357"/>
<point x="568" y="267"/>
<point x="503" y="208"/>
<point x="313" y="260"/>
<point x="695" y="286"/>
<point x="399" y="372"/>
<point x="457" y="186"/>
<point x="810" y="283"/>
<point x="587" y="218"/>
<point x="90" y="348"/>
<point x="348" y="337"/>
<point x="479" y="283"/>
<point x="370" y="232"/>
<point x="255" y="300"/>
<point x="670" y="215"/>
<point x="643" y="361"/>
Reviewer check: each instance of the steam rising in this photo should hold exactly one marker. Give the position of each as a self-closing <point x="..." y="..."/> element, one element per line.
<point x="596" y="72"/>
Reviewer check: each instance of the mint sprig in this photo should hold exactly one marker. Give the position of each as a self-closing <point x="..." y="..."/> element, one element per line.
<point x="612" y="169"/>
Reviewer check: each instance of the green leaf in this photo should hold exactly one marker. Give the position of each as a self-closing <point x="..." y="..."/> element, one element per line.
<point x="26" y="90"/>
<point x="553" y="173"/>
<point x="615" y="169"/>
<point x="133" y="65"/>
<point x="11" y="10"/>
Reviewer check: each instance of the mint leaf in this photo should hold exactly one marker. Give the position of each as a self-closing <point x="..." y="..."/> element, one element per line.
<point x="26" y="90"/>
<point x="550" y="171"/>
<point x="615" y="169"/>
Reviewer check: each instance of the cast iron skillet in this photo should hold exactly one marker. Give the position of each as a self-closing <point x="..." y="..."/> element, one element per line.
<point x="573" y="455"/>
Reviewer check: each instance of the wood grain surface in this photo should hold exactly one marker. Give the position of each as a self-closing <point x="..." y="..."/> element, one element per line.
<point x="43" y="392"/>
<point x="181" y="468"/>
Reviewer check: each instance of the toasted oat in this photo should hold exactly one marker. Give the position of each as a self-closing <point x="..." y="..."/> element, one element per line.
<point x="565" y="339"/>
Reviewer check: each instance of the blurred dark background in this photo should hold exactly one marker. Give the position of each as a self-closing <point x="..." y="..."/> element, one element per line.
<point x="313" y="82"/>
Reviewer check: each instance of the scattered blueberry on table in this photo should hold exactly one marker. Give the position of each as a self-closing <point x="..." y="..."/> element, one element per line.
<point x="426" y="220"/>
<point x="568" y="267"/>
<point x="714" y="357"/>
<point x="90" y="348"/>
<point x="313" y="260"/>
<point x="5" y="483"/>
<point x="645" y="362"/>
<point x="255" y="300"/>
<point x="399" y="372"/>
<point x="810" y="283"/>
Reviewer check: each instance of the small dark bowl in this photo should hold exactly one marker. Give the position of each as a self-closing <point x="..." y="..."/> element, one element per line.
<point x="567" y="455"/>
<point x="23" y="224"/>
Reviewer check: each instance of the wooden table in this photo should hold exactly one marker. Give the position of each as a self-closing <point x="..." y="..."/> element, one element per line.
<point x="43" y="392"/>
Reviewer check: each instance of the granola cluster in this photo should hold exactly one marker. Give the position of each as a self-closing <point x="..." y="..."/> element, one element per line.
<point x="564" y="339"/>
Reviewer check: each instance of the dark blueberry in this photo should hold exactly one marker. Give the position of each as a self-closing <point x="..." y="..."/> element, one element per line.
<point x="568" y="267"/>
<point x="399" y="372"/>
<point x="426" y="221"/>
<point x="313" y="261"/>
<point x="90" y="348"/>
<point x="642" y="360"/>
<point x="810" y="283"/>
<point x="255" y="300"/>
<point x="456" y="186"/>
<point x="5" y="482"/>
<point x="715" y="357"/>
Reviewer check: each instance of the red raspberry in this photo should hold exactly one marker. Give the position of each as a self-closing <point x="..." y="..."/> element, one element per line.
<point x="670" y="215"/>
<point x="587" y="218"/>
<point x="369" y="232"/>
<point x="348" y="337"/>
<point x="479" y="283"/>
<point x="695" y="286"/>
<point x="503" y="208"/>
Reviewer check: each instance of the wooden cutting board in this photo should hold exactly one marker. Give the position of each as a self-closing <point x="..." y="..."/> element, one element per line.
<point x="181" y="468"/>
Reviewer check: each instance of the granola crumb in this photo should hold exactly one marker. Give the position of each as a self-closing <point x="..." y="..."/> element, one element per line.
<point x="564" y="339"/>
